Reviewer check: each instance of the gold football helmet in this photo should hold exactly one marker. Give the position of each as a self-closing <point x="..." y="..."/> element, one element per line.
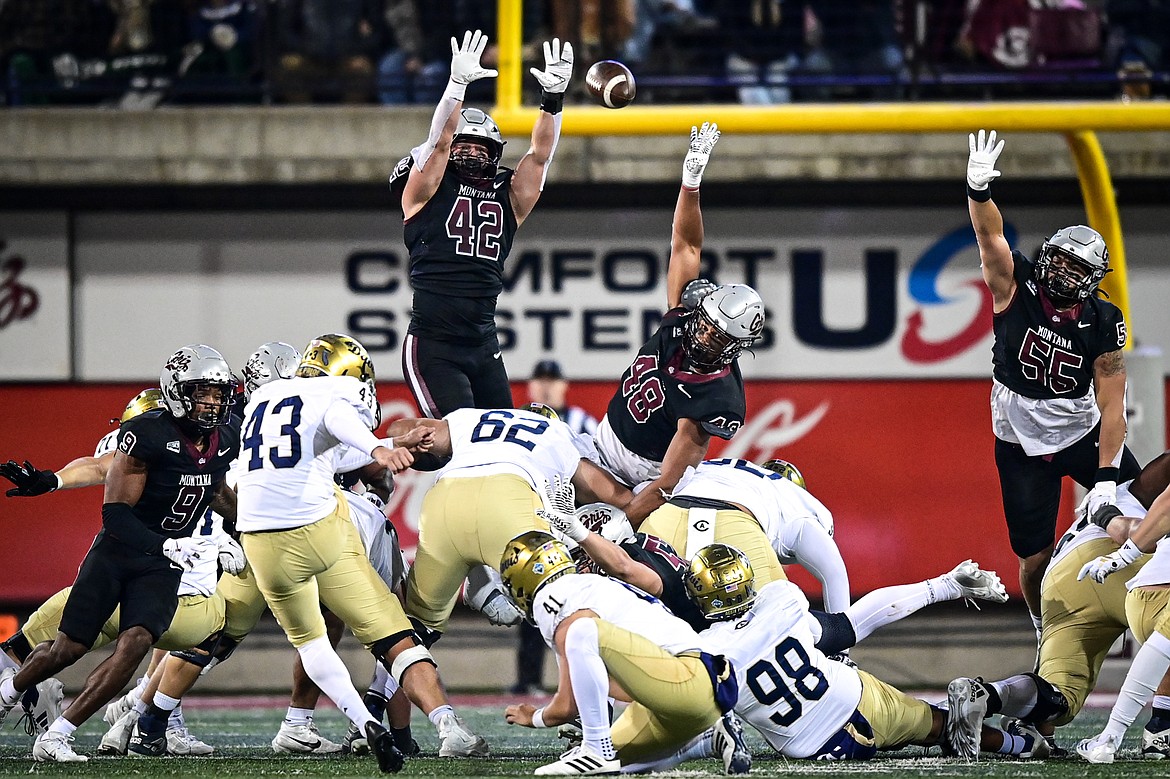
<point x="530" y="561"/>
<point x="720" y="581"/>
<point x="334" y="354"/>
<point x="540" y="408"/>
<point x="787" y="470"/>
<point x="147" y="400"/>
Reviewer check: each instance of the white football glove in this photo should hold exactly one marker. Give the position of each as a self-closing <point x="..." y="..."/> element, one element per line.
<point x="558" y="67"/>
<point x="703" y="142"/>
<point x="186" y="553"/>
<point x="231" y="556"/>
<point x="1111" y="563"/>
<point x="567" y="524"/>
<point x="465" y="66"/>
<point x="562" y="495"/>
<point x="981" y="164"/>
<point x="1102" y="494"/>
<point x="485" y="593"/>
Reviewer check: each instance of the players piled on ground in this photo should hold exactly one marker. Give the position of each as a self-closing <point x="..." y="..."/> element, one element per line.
<point x="654" y="573"/>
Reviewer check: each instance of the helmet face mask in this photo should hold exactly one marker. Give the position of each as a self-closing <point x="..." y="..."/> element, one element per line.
<point x="720" y="581"/>
<point x="197" y="385"/>
<point x="273" y="360"/>
<point x="530" y="561"/>
<point x="476" y="148"/>
<point x="1072" y="264"/>
<point x="726" y="320"/>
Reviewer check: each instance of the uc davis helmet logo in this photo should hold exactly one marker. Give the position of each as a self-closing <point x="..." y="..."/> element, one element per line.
<point x="924" y="289"/>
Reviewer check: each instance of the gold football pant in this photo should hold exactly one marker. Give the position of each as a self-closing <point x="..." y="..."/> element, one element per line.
<point x="734" y="528"/>
<point x="196" y="618"/>
<point x="299" y="569"/>
<point x="1081" y="620"/>
<point x="243" y="603"/>
<point x="1147" y="612"/>
<point x="673" y="697"/>
<point x="465" y="522"/>
<point x="896" y="718"/>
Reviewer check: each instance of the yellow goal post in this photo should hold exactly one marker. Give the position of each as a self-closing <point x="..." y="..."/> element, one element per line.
<point x="1078" y="121"/>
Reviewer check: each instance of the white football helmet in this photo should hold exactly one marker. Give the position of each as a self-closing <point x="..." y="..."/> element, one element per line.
<point x="1084" y="249"/>
<point x="477" y="127"/>
<point x="194" y="367"/>
<point x="608" y="522"/>
<point x="726" y="320"/>
<point x="273" y="360"/>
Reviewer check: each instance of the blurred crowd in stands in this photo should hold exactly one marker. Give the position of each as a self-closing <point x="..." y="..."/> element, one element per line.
<point x="139" y="53"/>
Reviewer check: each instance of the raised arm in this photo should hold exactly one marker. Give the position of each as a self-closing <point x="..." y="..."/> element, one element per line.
<point x="686" y="231"/>
<point x="430" y="157"/>
<point x="995" y="254"/>
<point x="1109" y="384"/>
<point x="528" y="182"/>
<point x="687" y="448"/>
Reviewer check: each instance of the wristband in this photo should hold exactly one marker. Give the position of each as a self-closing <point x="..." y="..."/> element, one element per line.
<point x="1108" y="474"/>
<point x="1130" y="551"/>
<point x="552" y="103"/>
<point x="1102" y="516"/>
<point x="538" y="718"/>
<point x="60" y="482"/>
<point x="979" y="195"/>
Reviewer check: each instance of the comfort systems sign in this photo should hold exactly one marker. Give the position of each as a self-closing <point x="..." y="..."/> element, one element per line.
<point x="850" y="293"/>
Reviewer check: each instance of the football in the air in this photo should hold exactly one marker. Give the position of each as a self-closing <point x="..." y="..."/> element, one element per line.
<point x="611" y="83"/>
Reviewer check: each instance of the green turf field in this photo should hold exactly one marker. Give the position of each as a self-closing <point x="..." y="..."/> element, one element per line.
<point x="241" y="738"/>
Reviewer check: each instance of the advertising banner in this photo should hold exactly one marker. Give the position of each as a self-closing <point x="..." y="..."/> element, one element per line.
<point x="35" y="306"/>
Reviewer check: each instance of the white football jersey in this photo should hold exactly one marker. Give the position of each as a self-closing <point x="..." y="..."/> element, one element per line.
<point x="788" y="690"/>
<point x="108" y="444"/>
<point x="1082" y="531"/>
<point x="780" y="506"/>
<point x="379" y="537"/>
<point x="615" y="602"/>
<point x="488" y="442"/>
<point x="288" y="457"/>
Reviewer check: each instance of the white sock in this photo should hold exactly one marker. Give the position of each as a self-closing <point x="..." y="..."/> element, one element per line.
<point x="1148" y="667"/>
<point x="140" y="687"/>
<point x="297" y="716"/>
<point x="165" y="702"/>
<point x="1012" y="745"/>
<point x="1162" y="701"/>
<point x="8" y="694"/>
<point x="327" y="671"/>
<point x="140" y="706"/>
<point x="383" y="681"/>
<point x="590" y="685"/>
<point x="63" y="726"/>
<point x="439" y="712"/>
<point x="1017" y="694"/>
<point x="890" y="604"/>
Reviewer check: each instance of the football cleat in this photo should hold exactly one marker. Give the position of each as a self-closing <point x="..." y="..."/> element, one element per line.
<point x="117" y="738"/>
<point x="728" y="742"/>
<point x="580" y="761"/>
<point x="1018" y="728"/>
<point x="53" y="747"/>
<point x="42" y="705"/>
<point x="1039" y="749"/>
<point x="1101" y="748"/>
<point x="118" y="707"/>
<point x="181" y="742"/>
<point x="572" y="734"/>
<point x="966" y="708"/>
<point x="143" y="744"/>
<point x="302" y="740"/>
<point x="457" y="740"/>
<point x="6" y="673"/>
<point x="354" y="742"/>
<point x="978" y="584"/>
<point x="1156" y="744"/>
<point x="390" y="760"/>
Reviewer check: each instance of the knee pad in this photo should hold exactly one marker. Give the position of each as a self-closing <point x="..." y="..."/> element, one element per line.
<point x="1050" y="702"/>
<point x="425" y="634"/>
<point x="407" y="658"/>
<point x="194" y="656"/>
<point x="18" y="646"/>
<point x="837" y="633"/>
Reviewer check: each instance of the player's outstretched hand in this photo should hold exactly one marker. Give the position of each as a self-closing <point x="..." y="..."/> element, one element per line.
<point x="703" y="140"/>
<point x="558" y="67"/>
<point x="28" y="480"/>
<point x="566" y="524"/>
<point x="419" y="438"/>
<point x="981" y="164"/>
<point x="396" y="459"/>
<point x="520" y="714"/>
<point x="231" y="556"/>
<point x="186" y="553"/>
<point x="562" y="495"/>
<point x="465" y="66"/>
<point x="1111" y="563"/>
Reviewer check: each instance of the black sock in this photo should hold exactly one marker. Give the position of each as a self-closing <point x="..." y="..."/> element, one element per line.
<point x="403" y="740"/>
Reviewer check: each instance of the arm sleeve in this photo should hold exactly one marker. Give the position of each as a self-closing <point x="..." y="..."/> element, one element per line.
<point x="122" y="523"/>
<point x="346" y="425"/>
<point x="817" y="554"/>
